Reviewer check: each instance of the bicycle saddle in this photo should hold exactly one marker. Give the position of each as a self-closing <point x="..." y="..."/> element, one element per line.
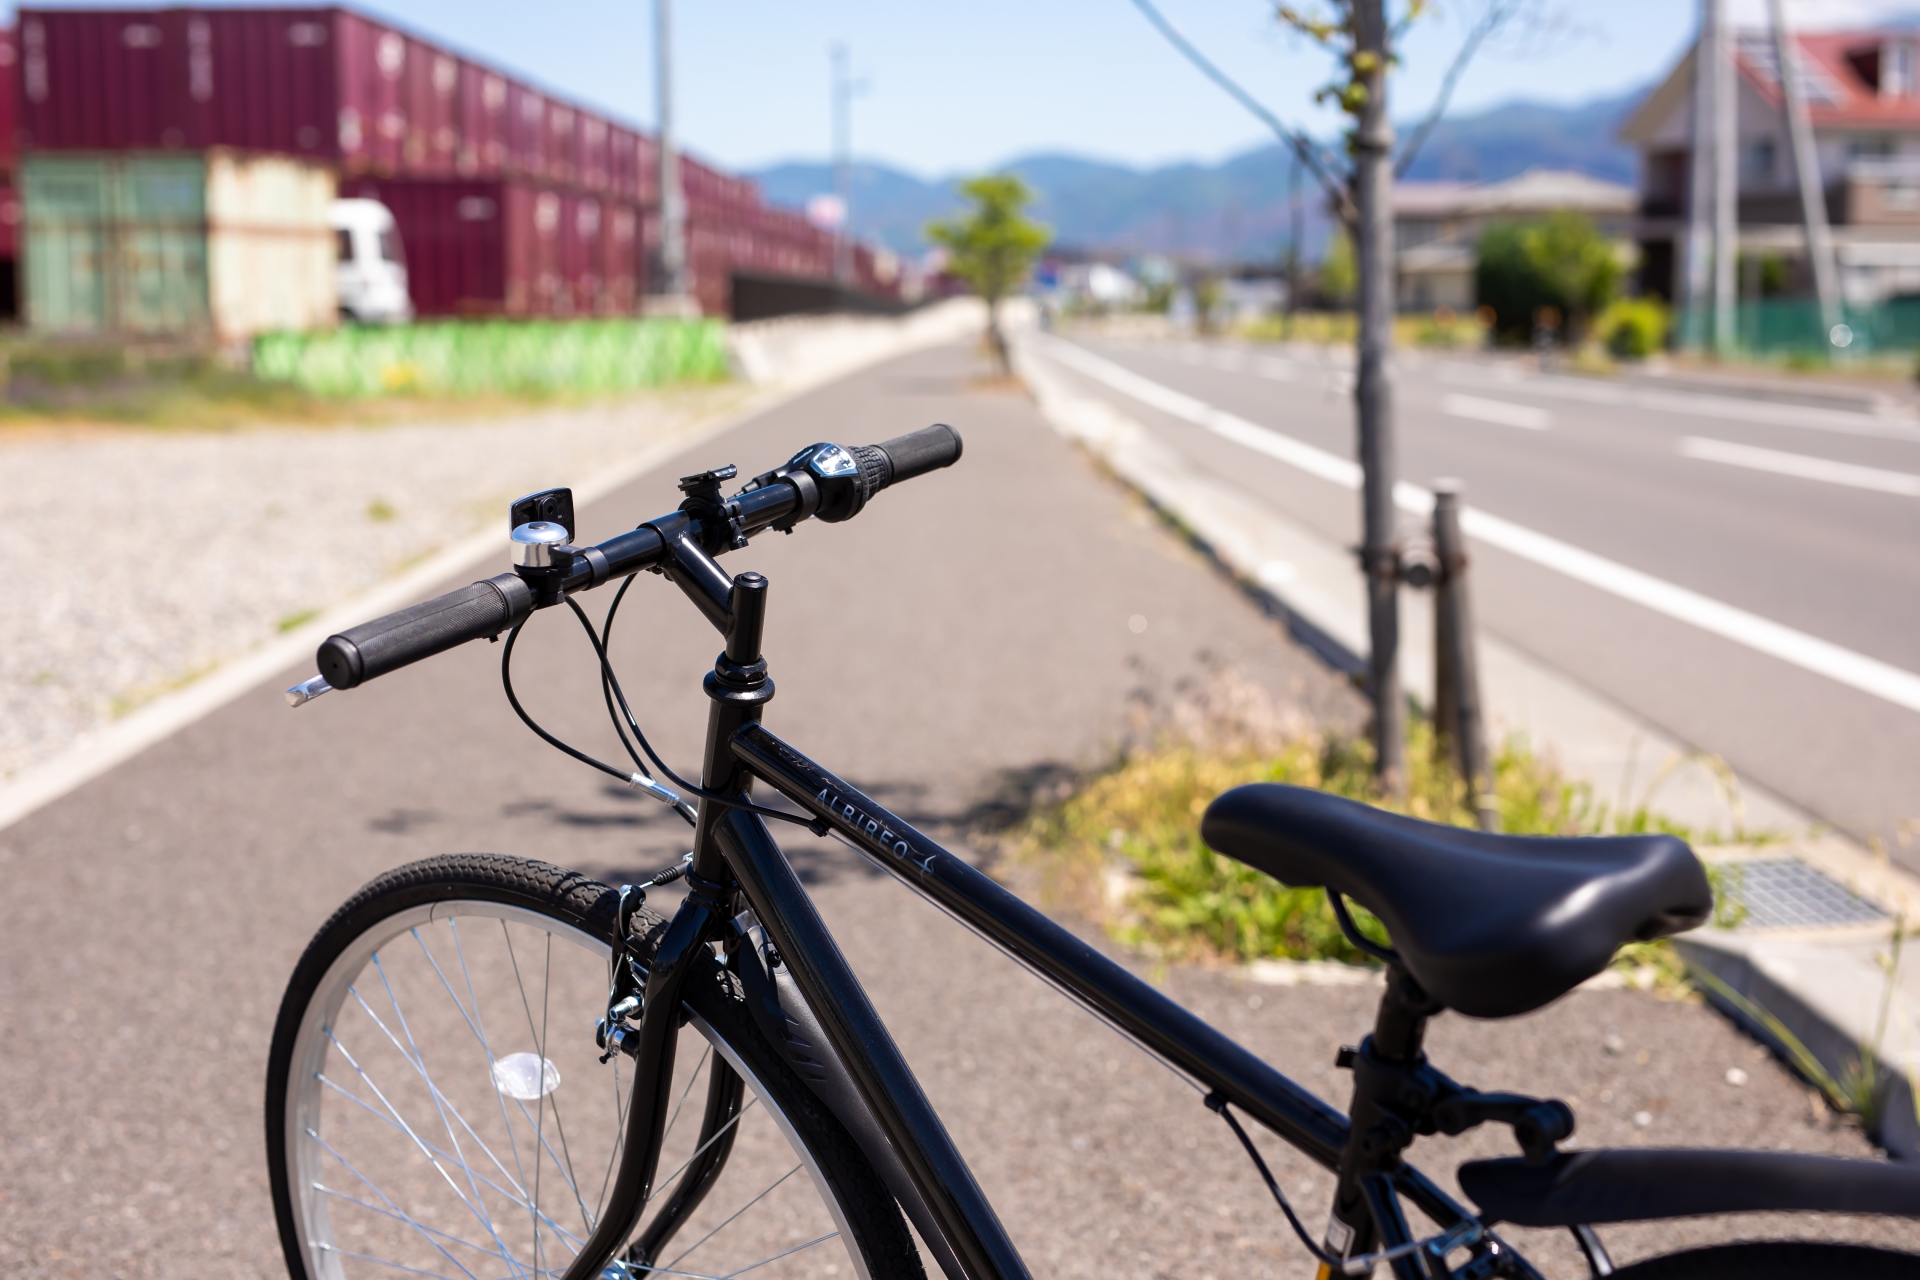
<point x="1490" y="925"/>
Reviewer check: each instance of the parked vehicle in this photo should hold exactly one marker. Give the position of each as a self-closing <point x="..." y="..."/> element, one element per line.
<point x="373" y="266"/>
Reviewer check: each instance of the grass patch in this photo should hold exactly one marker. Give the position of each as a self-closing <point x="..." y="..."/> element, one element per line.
<point x="1123" y="846"/>
<point x="293" y="620"/>
<point x="45" y="382"/>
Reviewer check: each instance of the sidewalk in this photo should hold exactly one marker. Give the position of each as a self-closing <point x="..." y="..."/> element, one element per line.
<point x="1809" y="958"/>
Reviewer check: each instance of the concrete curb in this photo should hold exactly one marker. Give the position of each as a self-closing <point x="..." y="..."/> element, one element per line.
<point x="793" y="358"/>
<point x="1825" y="988"/>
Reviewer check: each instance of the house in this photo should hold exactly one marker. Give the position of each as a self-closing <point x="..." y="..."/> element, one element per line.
<point x="1437" y="226"/>
<point x="1863" y="97"/>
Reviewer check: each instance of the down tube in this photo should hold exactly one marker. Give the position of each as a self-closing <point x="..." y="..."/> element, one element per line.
<point x="1163" y="1026"/>
<point x="885" y="1082"/>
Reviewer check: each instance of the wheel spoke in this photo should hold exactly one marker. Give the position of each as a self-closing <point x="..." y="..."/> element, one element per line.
<point x="727" y="1221"/>
<point x="783" y="1254"/>
<point x="369" y="1184"/>
<point x="440" y="1103"/>
<point x="668" y="1181"/>
<point x="512" y="1192"/>
<point x="479" y="1025"/>
<point x="405" y="1128"/>
<point x="383" y="1067"/>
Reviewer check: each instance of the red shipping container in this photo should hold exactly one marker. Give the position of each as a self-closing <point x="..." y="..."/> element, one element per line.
<point x="500" y="247"/>
<point x="526" y="131"/>
<point x="9" y="92"/>
<point x="559" y="142"/>
<point x="590" y="139"/>
<point x="483" y="122"/>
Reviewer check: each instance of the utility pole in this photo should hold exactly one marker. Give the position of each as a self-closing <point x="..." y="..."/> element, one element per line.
<point x="1806" y="165"/>
<point x="843" y="167"/>
<point x="673" y="206"/>
<point x="1698" y="264"/>
<point x="1373" y="392"/>
<point x="1726" y="184"/>
<point x="1297" y="218"/>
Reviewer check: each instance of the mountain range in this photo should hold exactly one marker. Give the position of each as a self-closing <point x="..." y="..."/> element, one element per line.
<point x="1235" y="210"/>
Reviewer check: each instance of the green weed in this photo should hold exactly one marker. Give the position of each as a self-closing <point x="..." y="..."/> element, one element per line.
<point x="1124" y="846"/>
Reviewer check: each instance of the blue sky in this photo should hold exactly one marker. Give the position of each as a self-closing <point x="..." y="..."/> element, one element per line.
<point x="961" y="86"/>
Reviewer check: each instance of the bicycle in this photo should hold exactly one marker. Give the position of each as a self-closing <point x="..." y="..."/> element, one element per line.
<point x="414" y="1125"/>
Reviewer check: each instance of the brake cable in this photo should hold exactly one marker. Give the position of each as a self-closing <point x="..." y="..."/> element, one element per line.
<point x="641" y="780"/>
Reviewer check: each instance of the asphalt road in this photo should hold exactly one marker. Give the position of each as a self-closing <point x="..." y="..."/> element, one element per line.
<point x="974" y="629"/>
<point x="1708" y="493"/>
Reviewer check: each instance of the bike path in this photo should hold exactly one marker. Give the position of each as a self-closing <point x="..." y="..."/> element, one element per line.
<point x="973" y="627"/>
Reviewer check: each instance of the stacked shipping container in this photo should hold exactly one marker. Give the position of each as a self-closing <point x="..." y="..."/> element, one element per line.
<point x="509" y="200"/>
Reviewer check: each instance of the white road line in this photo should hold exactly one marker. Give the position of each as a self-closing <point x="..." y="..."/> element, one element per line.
<point x="1697" y="404"/>
<point x="1278" y="370"/>
<point x="1503" y="412"/>
<point x="1809" y="653"/>
<point x="1800" y="465"/>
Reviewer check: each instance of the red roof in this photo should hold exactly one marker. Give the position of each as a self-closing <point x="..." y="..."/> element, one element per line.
<point x="1837" y="66"/>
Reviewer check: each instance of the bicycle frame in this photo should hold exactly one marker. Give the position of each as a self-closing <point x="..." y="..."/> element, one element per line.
<point x="736" y="858"/>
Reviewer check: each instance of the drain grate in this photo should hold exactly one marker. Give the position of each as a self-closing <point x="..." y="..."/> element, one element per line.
<point x="1785" y="893"/>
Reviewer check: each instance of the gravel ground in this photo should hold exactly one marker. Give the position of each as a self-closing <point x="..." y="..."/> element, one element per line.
<point x="968" y="632"/>
<point x="199" y="546"/>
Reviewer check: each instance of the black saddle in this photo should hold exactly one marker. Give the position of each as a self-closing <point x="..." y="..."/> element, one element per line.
<point x="1490" y="925"/>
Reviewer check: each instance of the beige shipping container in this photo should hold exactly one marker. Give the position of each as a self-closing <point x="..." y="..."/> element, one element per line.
<point x="217" y="246"/>
<point x="271" y="259"/>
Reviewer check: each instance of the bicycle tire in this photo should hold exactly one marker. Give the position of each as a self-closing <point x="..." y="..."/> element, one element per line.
<point x="1777" y="1260"/>
<point x="370" y="942"/>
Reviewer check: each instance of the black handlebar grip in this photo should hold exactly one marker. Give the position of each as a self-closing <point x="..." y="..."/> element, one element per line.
<point x="922" y="451"/>
<point x="371" y="649"/>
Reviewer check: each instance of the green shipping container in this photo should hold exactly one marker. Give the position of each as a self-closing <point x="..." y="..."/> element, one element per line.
<point x="204" y="245"/>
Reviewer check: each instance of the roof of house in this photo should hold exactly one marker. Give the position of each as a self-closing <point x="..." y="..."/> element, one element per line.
<point x="1834" y="72"/>
<point x="1536" y="191"/>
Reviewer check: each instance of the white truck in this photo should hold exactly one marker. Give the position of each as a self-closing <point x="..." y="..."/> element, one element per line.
<point x="372" y="265"/>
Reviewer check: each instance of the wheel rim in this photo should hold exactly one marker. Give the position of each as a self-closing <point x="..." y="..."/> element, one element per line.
<point x="447" y="1116"/>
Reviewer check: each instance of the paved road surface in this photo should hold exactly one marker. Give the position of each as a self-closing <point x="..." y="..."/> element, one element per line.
<point x="975" y="623"/>
<point x="1713" y="494"/>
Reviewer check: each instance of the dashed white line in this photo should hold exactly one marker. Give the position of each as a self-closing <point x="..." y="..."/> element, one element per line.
<point x="1809" y="653"/>
<point x="1503" y="412"/>
<point x="1800" y="465"/>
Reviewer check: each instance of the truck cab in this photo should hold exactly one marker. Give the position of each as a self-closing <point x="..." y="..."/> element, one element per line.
<point x="372" y="265"/>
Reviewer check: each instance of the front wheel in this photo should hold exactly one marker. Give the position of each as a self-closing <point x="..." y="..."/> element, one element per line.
<point x="1778" y="1260"/>
<point x="436" y="1105"/>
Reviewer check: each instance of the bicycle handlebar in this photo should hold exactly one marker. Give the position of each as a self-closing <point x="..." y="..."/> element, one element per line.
<point x="823" y="480"/>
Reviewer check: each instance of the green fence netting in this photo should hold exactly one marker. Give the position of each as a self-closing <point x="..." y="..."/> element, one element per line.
<point x="466" y="357"/>
<point x="1790" y="326"/>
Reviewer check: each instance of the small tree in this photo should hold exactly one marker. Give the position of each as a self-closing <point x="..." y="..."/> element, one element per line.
<point x="1561" y="261"/>
<point x="993" y="245"/>
<point x="1338" y="273"/>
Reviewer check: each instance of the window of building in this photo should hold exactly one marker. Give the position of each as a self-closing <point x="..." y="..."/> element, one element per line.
<point x="1757" y="160"/>
<point x="1870" y="146"/>
<point x="343" y="244"/>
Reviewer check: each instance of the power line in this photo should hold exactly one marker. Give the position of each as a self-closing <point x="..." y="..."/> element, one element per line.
<point x="1302" y="147"/>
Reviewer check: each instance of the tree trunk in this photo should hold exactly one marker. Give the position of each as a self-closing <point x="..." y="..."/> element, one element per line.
<point x="1373" y="400"/>
<point x="997" y="340"/>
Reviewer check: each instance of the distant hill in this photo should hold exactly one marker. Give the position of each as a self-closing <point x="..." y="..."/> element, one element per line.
<point x="1233" y="210"/>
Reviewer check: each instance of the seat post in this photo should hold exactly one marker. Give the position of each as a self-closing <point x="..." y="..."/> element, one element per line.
<point x="1382" y="1068"/>
<point x="1400" y="1026"/>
